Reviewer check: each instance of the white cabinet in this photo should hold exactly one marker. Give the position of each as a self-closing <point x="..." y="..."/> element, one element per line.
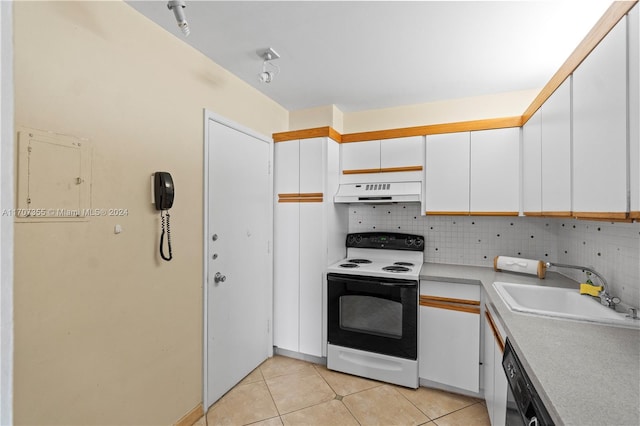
<point x="449" y="341"/>
<point x="634" y="109"/>
<point x="473" y="173"/>
<point x="447" y="173"/>
<point x="532" y="165"/>
<point x="495" y="172"/>
<point x="494" y="380"/>
<point x="399" y="159"/>
<point x="546" y="155"/>
<point x="309" y="234"/>
<point x="600" y="129"/>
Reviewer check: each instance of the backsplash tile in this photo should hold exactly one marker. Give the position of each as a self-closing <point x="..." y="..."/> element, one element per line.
<point x="613" y="249"/>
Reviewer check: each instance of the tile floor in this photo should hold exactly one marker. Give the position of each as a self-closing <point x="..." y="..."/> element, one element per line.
<point x="286" y="391"/>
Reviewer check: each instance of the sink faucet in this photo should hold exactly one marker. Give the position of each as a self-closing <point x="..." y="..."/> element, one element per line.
<point x="605" y="297"/>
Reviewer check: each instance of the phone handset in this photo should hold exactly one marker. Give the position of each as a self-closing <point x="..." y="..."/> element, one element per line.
<point x="164" y="193"/>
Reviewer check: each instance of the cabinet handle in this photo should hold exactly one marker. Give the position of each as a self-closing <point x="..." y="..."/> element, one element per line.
<point x="462" y="305"/>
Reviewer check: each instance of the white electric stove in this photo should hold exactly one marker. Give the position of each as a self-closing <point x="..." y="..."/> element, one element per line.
<point x="373" y="307"/>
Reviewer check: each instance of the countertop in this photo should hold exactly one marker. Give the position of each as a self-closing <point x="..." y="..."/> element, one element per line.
<point x="585" y="373"/>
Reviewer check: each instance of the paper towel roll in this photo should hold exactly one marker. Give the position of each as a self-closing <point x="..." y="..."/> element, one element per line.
<point x="517" y="264"/>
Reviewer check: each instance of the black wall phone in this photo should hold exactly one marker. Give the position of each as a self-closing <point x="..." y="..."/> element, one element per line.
<point x="164" y="192"/>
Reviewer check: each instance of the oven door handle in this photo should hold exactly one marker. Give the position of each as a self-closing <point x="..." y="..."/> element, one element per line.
<point x="397" y="284"/>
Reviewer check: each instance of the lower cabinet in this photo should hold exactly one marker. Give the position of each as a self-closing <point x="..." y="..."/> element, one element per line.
<point x="494" y="380"/>
<point x="449" y="344"/>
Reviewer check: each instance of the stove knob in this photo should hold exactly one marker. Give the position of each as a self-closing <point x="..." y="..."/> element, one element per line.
<point x="351" y="239"/>
<point x="419" y="242"/>
<point x="408" y="241"/>
<point x="358" y="239"/>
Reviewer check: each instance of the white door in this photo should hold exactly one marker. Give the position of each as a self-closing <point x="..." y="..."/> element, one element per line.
<point x="238" y="232"/>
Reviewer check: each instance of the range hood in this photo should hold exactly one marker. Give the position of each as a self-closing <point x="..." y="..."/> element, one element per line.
<point x="379" y="193"/>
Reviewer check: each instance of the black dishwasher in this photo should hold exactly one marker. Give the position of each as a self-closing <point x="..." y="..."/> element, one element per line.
<point x="524" y="406"/>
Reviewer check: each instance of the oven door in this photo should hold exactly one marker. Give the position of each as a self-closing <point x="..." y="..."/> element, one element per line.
<point x="373" y="314"/>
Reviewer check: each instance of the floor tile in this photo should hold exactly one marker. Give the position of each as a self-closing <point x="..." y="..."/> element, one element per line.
<point x="345" y="384"/>
<point x="242" y="405"/>
<point x="436" y="403"/>
<point x="293" y="392"/>
<point x="383" y="405"/>
<point x="274" y="421"/>
<point x="474" y="415"/>
<point x="280" y="366"/>
<point x="201" y="422"/>
<point x="254" y="376"/>
<point x="328" y="413"/>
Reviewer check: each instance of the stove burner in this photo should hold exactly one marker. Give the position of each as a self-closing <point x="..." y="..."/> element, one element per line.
<point x="349" y="265"/>
<point x="404" y="264"/>
<point x="395" y="269"/>
<point x="359" y="261"/>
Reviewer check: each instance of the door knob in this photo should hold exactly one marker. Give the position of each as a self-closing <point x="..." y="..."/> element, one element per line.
<point x="219" y="278"/>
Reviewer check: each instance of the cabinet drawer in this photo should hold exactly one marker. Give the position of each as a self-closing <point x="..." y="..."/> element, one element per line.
<point x="450" y="290"/>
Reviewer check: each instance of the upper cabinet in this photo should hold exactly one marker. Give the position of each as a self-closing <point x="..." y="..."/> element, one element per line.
<point x="600" y="89"/>
<point x="546" y="167"/>
<point x="474" y="173"/>
<point x="447" y="173"/>
<point x="399" y="158"/>
<point x="495" y="172"/>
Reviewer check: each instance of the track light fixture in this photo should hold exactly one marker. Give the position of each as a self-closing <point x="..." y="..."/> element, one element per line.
<point x="177" y="7"/>
<point x="268" y="55"/>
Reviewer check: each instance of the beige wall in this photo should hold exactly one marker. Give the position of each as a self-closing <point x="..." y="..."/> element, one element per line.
<point x="105" y="332"/>
<point x="466" y="109"/>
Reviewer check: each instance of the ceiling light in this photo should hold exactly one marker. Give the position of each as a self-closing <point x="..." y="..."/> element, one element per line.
<point x="267" y="56"/>
<point x="177" y="7"/>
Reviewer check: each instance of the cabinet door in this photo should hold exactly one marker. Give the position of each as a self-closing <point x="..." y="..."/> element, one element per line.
<point x="361" y="156"/>
<point x="488" y="366"/>
<point x="634" y="108"/>
<point x="286" y="276"/>
<point x="495" y="171"/>
<point x="447" y="173"/>
<point x="287" y="167"/>
<point x="449" y="347"/>
<point x="556" y="152"/>
<point x="311" y="165"/>
<point x="600" y="129"/>
<point x="312" y="253"/>
<point x="500" y="386"/>
<point x="532" y="165"/>
<point x="402" y="152"/>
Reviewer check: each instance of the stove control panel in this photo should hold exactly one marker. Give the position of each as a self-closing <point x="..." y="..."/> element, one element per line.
<point x="386" y="240"/>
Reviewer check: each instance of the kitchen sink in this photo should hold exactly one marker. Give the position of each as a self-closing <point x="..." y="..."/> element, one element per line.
<point x="560" y="303"/>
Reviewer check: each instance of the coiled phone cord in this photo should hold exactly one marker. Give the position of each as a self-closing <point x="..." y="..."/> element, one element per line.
<point x="168" y="231"/>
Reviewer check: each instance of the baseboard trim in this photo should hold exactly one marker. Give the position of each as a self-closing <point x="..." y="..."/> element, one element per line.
<point x="191" y="417"/>
<point x="298" y="355"/>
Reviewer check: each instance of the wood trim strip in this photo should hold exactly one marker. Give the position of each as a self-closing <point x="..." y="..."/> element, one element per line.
<point x="434" y="129"/>
<point x="316" y="132"/>
<point x="533" y="214"/>
<point x="401" y="169"/>
<point x="191" y="417"/>
<point x="310" y="200"/>
<point x="459" y="308"/>
<point x="600" y="215"/>
<point x="557" y="214"/>
<point x="360" y="171"/>
<point x="611" y="17"/>
<point x="425" y="298"/>
<point x="634" y="215"/>
<point x="289" y="195"/>
<point x="434" y="213"/>
<point x="493" y="213"/>
<point x="494" y="329"/>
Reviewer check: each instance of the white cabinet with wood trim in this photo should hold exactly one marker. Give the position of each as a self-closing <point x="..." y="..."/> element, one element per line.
<point x="309" y="234"/>
<point x="447" y="173"/>
<point x="634" y="110"/>
<point x="546" y="155"/>
<point x="600" y="134"/>
<point x="495" y="172"/>
<point x="398" y="158"/>
<point x="449" y="341"/>
<point x="494" y="380"/>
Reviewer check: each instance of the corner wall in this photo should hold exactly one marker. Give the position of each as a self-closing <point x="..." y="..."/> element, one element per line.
<point x="105" y="331"/>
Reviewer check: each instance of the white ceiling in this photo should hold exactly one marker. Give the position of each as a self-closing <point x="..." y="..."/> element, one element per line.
<point x="361" y="55"/>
